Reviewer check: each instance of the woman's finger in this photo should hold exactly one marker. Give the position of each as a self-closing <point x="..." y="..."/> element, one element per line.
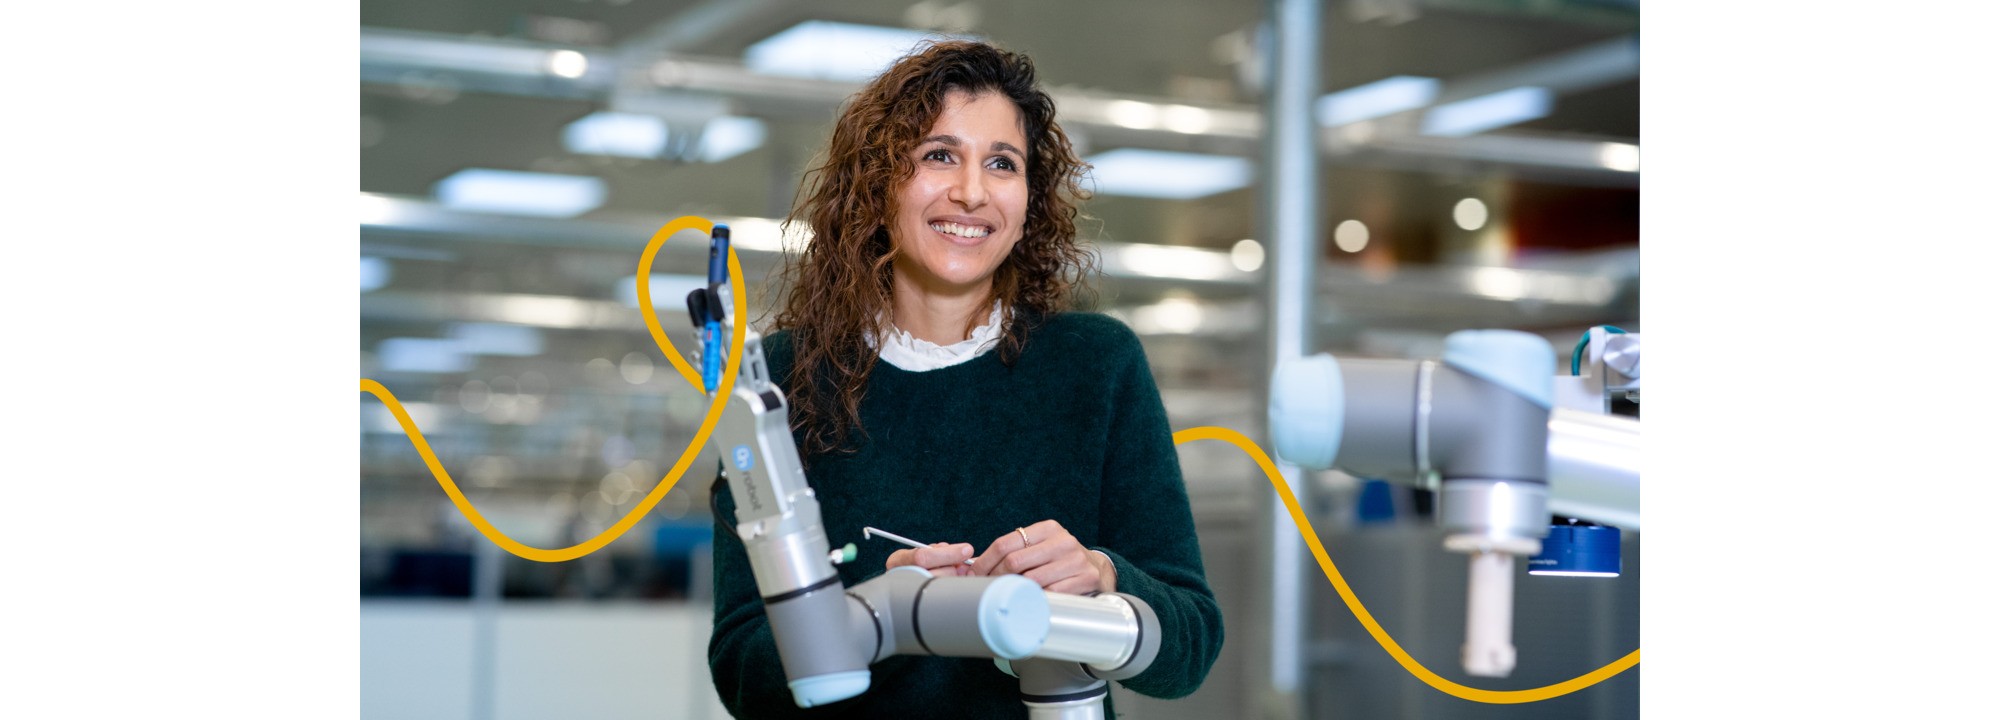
<point x="940" y="556"/>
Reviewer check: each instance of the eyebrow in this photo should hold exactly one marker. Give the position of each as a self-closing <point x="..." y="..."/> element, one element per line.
<point x="952" y="140"/>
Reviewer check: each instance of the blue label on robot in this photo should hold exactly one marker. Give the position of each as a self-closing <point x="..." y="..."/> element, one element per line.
<point x="743" y="457"/>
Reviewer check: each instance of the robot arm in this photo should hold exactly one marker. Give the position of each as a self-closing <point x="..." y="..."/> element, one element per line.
<point x="1482" y="427"/>
<point x="1593" y="441"/>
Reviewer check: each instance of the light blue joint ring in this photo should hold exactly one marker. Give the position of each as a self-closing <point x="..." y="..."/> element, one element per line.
<point x="1522" y="363"/>
<point x="1014" y="617"/>
<point x="829" y="688"/>
<point x="1307" y="410"/>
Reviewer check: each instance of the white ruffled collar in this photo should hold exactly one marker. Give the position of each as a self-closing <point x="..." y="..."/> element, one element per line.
<point x="915" y="354"/>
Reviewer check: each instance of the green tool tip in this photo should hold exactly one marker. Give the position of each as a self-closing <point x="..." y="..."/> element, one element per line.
<point x="848" y="553"/>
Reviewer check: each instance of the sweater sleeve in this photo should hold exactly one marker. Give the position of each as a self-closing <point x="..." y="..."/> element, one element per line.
<point x="1148" y="531"/>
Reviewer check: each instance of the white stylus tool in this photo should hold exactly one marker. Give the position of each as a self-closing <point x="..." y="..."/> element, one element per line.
<point x="868" y="532"/>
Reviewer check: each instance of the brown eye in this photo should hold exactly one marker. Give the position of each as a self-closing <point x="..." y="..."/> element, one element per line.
<point x="938" y="156"/>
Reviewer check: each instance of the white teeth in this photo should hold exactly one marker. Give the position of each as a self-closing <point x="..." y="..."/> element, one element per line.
<point x="960" y="230"/>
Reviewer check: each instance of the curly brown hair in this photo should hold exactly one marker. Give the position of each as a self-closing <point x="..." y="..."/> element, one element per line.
<point x="839" y="287"/>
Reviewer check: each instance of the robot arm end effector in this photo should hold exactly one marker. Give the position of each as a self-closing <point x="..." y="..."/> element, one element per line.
<point x="1475" y="423"/>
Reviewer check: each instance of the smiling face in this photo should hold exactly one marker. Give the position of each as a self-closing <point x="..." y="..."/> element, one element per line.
<point x="963" y="210"/>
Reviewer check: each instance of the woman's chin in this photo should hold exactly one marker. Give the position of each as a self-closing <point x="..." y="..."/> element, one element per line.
<point x="953" y="283"/>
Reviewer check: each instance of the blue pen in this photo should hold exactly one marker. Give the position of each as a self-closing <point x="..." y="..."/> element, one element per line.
<point x="711" y="331"/>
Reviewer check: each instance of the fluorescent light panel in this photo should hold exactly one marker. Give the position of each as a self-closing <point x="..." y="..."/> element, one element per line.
<point x="1387" y="96"/>
<point x="421" y="355"/>
<point x="1171" y="262"/>
<point x="379" y="210"/>
<point x="375" y="273"/>
<point x="1171" y="316"/>
<point x="520" y="193"/>
<point x="669" y="291"/>
<point x="636" y="135"/>
<point x="1619" y="156"/>
<point x="729" y="136"/>
<point x="1486" y="112"/>
<point x="496" y="339"/>
<point x="622" y="134"/>
<point x="834" y="50"/>
<point x="1167" y="175"/>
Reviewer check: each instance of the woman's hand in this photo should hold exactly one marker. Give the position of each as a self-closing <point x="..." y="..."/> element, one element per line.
<point x="1050" y="556"/>
<point x="939" y="558"/>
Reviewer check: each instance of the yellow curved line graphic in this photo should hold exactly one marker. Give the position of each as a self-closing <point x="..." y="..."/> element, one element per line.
<point x="1498" y="697"/>
<point x="666" y="346"/>
<point x="728" y="386"/>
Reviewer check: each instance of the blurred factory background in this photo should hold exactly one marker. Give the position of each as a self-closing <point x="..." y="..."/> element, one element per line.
<point x="1479" y="168"/>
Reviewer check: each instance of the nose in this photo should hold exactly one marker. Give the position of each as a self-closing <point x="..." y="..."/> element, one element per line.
<point x="968" y="187"/>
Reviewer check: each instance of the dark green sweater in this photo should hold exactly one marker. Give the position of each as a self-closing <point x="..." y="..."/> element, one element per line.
<point x="1074" y="432"/>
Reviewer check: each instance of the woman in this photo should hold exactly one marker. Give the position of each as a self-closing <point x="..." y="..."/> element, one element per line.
<point x="939" y="391"/>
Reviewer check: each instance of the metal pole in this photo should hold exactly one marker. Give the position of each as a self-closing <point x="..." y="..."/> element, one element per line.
<point x="1290" y="212"/>
<point x="488" y="564"/>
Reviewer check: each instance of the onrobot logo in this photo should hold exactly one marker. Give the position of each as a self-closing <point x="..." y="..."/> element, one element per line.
<point x="743" y="457"/>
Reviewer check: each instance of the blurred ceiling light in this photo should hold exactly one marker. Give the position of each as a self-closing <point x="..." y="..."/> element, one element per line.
<point x="1166" y="261"/>
<point x="474" y="395"/>
<point x="375" y="273"/>
<point x="1500" y="283"/>
<point x="543" y="310"/>
<point x="632" y="135"/>
<point x="1133" y="114"/>
<point x="1350" y="235"/>
<point x="636" y="368"/>
<point x="764" y="234"/>
<point x="1247" y="255"/>
<point x="1619" y="156"/>
<point x="1598" y="290"/>
<point x="422" y="355"/>
<point x="378" y="210"/>
<point x="638" y="135"/>
<point x="834" y="50"/>
<point x="1186" y="119"/>
<point x="381" y="419"/>
<point x="1382" y="97"/>
<point x="1486" y="112"/>
<point x="520" y="193"/>
<point x="1470" y="214"/>
<point x="1167" y="175"/>
<point x="729" y="136"/>
<point x="496" y="339"/>
<point x="616" y="487"/>
<point x="669" y="292"/>
<point x="1170" y="316"/>
<point x="568" y="63"/>
<point x="1358" y="133"/>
